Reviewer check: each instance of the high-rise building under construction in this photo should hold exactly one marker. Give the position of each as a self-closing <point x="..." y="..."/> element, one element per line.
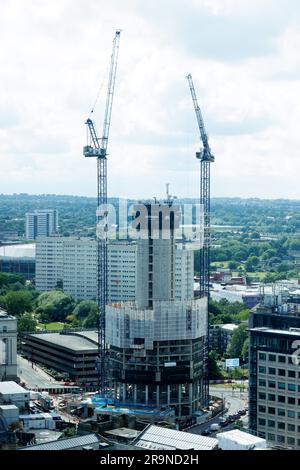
<point x="157" y="343"/>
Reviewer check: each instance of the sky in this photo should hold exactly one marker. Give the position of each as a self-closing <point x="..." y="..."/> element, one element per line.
<point x="245" y="62"/>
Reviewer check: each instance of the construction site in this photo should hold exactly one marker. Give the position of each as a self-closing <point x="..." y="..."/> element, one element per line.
<point x="152" y="352"/>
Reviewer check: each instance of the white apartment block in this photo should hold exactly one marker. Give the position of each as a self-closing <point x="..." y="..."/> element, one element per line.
<point x="71" y="263"/>
<point x="41" y="223"/>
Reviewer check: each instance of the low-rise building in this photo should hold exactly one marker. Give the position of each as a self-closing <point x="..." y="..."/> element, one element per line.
<point x="219" y="336"/>
<point x="12" y="393"/>
<point x="8" y="346"/>
<point x="73" y="353"/>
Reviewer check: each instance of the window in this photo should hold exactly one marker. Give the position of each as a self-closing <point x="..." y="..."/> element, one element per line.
<point x="281" y="425"/>
<point x="262" y="356"/>
<point x="261" y="409"/>
<point x="271" y="437"/>
<point x="281" y="359"/>
<point x="281" y="385"/>
<point x="281" y="399"/>
<point x="291" y="401"/>
<point x="272" y="357"/>
<point x="262" y="370"/>
<point x="291" y="427"/>
<point x="291" y="440"/>
<point x="281" y="412"/>
<point x="281" y="439"/>
<point x="292" y="374"/>
<point x="271" y="423"/>
<point x="271" y="397"/>
<point x="272" y="371"/>
<point x="291" y="387"/>
<point x="272" y="384"/>
<point x="262" y="396"/>
<point x="281" y="372"/>
<point x="262" y="383"/>
<point x="262" y="422"/>
<point x="291" y="414"/>
<point x="271" y="410"/>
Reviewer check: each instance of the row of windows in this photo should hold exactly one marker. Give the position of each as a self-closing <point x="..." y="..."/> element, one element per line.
<point x="273" y="358"/>
<point x="280" y="398"/>
<point x="281" y="439"/>
<point x="280" y="372"/>
<point x="281" y="425"/>
<point x="280" y="385"/>
<point x="280" y="412"/>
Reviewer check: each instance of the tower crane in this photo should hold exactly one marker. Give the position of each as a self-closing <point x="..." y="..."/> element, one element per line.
<point x="205" y="157"/>
<point x="97" y="147"/>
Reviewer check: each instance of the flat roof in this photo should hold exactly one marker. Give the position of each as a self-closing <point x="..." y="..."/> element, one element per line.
<point x="9" y="407"/>
<point x="157" y="438"/>
<point x="4" y="315"/>
<point x="229" y="326"/>
<point x="11" y="387"/>
<point x="18" y="251"/>
<point x="263" y="329"/>
<point x="67" y="341"/>
<point x="124" y="432"/>
<point x="241" y="437"/>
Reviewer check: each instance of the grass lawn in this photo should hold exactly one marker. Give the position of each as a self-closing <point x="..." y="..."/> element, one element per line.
<point x="219" y="264"/>
<point x="51" y="326"/>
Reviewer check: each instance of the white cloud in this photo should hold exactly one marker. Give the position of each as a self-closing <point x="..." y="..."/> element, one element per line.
<point x="56" y="54"/>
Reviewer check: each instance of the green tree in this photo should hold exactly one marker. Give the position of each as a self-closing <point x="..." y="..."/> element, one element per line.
<point x="54" y="306"/>
<point x="69" y="432"/>
<point x="91" y="321"/>
<point x="251" y="263"/>
<point x="236" y="342"/>
<point x="245" y="350"/>
<point x="85" y="308"/>
<point x="17" y="302"/>
<point x="26" y="322"/>
<point x="214" y="370"/>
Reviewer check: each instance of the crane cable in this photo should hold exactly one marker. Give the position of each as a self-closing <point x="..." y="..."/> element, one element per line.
<point x="99" y="91"/>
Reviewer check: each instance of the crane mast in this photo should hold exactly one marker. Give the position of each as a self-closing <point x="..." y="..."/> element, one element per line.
<point x="97" y="147"/>
<point x="206" y="158"/>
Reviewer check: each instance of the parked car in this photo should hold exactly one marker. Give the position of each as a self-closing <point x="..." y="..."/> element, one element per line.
<point x="206" y="432"/>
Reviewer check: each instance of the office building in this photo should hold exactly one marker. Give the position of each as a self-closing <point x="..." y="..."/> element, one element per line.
<point x="274" y="375"/>
<point x="8" y="346"/>
<point x="274" y="386"/>
<point x="157" y="343"/>
<point x="41" y="223"/>
<point x="18" y="259"/>
<point x="71" y="263"/>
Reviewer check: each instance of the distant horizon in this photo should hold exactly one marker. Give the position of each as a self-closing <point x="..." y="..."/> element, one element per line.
<point x="147" y="198"/>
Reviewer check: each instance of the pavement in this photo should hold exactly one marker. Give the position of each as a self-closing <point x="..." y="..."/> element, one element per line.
<point x="32" y="375"/>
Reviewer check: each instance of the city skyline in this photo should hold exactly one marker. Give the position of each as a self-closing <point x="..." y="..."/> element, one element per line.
<point x="244" y="61"/>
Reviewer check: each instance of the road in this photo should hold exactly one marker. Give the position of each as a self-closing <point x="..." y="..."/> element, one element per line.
<point x="32" y="375"/>
<point x="234" y="401"/>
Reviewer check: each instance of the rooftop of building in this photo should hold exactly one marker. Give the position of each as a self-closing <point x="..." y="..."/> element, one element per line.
<point x="229" y="326"/>
<point x="263" y="329"/>
<point x="11" y="387"/>
<point x="26" y="251"/>
<point x="5" y="316"/>
<point x="241" y="437"/>
<point x="88" y="442"/>
<point x="125" y="433"/>
<point x="80" y="341"/>
<point x="9" y="408"/>
<point x="159" y="438"/>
